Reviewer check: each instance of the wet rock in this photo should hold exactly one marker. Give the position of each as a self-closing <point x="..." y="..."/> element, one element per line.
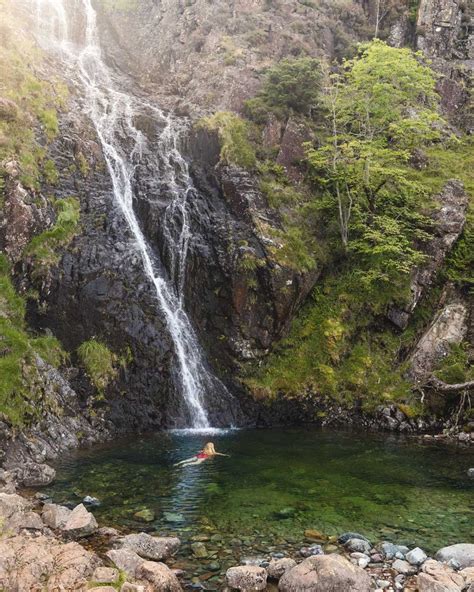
<point x="325" y="573"/>
<point x="278" y="567"/>
<point x="389" y="550"/>
<point x="91" y="501"/>
<point x="403" y="567"/>
<point x="311" y="551"/>
<point x="106" y="575"/>
<point x="358" y="545"/>
<point x="437" y="577"/>
<point x="80" y="523"/>
<point x="199" y="550"/>
<point x="26" y="561"/>
<point x="126" y="560"/>
<point x="285" y="513"/>
<point x="107" y="531"/>
<point x="247" y="577"/>
<point x="159" y="575"/>
<point x="35" y="475"/>
<point x="343" y="538"/>
<point x="145" y="515"/>
<point x="55" y="516"/>
<point x="470" y="473"/>
<point x="252" y="561"/>
<point x="463" y="553"/>
<point x="149" y="547"/>
<point x="416" y="556"/>
<point x="315" y="535"/>
<point x="173" y="517"/>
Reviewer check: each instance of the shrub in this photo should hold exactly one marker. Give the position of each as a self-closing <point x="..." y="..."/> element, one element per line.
<point x="291" y="85"/>
<point x="233" y="134"/>
<point x="99" y="363"/>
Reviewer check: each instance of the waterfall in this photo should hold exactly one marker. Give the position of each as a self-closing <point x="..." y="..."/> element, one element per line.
<point x="112" y="112"/>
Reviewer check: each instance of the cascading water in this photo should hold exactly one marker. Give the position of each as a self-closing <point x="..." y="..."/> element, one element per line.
<point x="112" y="112"/>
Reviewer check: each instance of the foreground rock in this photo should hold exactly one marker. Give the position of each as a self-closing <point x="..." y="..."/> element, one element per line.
<point x="159" y="576"/>
<point x="247" y="577"/>
<point x="25" y="562"/>
<point x="463" y="554"/>
<point x="126" y="560"/>
<point x="325" y="573"/>
<point x="149" y="547"/>
<point x="80" y="523"/>
<point x="437" y="577"/>
<point x="278" y="567"/>
<point x="55" y="516"/>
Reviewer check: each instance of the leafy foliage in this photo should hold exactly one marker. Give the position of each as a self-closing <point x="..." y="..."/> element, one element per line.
<point x="381" y="105"/>
<point x="45" y="248"/>
<point x="234" y="137"/>
<point x="20" y="387"/>
<point x="292" y="85"/>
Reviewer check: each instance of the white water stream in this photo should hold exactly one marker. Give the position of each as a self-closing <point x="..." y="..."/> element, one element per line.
<point x="113" y="111"/>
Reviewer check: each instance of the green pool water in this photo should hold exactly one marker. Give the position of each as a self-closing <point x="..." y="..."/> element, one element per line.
<point x="276" y="484"/>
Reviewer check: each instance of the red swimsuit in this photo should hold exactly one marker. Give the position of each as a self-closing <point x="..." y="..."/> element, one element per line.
<point x="202" y="455"/>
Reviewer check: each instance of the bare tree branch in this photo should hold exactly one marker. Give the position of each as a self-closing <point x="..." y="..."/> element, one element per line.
<point x="449" y="388"/>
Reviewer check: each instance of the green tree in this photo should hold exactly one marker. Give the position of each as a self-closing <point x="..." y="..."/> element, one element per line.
<point x="380" y="105"/>
<point x="292" y="85"/>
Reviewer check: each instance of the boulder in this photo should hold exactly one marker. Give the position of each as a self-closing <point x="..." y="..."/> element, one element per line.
<point x="437" y="577"/>
<point x="325" y="573"/>
<point x="80" y="523"/>
<point x="55" y="516"/>
<point x="24" y="521"/>
<point x="35" y="474"/>
<point x="160" y="576"/>
<point x="278" y="567"/>
<point x="149" y="547"/>
<point x="416" y="556"/>
<point x="126" y="560"/>
<point x="26" y="561"/>
<point x="246" y="577"/>
<point x="463" y="553"/>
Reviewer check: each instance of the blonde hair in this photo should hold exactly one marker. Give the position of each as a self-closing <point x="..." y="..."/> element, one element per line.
<point x="209" y="449"/>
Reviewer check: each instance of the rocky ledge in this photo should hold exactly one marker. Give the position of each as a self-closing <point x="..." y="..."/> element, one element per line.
<point x="48" y="547"/>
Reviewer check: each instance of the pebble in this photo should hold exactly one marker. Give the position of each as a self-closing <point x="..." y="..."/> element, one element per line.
<point x="382" y="584"/>
<point x="403" y="567"/>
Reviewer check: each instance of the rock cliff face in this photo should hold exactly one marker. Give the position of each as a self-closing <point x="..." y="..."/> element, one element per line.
<point x="191" y="56"/>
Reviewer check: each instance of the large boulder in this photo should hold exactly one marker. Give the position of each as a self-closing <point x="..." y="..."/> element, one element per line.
<point x="149" y="547"/>
<point x="463" y="553"/>
<point x="10" y="504"/>
<point x="325" y="573"/>
<point x="25" y="562"/>
<point x="126" y="560"/>
<point x="437" y="577"/>
<point x="80" y="523"/>
<point x="160" y="577"/>
<point x="247" y="577"/>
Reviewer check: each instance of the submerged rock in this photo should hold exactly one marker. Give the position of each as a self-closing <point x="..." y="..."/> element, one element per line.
<point x="145" y="515"/>
<point x="325" y="573"/>
<point x="247" y="577"/>
<point x="343" y="538"/>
